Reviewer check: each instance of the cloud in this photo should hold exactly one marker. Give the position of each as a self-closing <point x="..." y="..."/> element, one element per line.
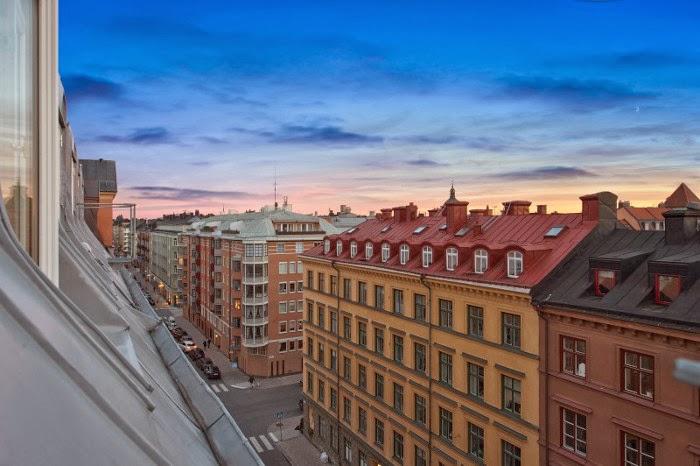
<point x="649" y="59"/>
<point x="425" y="162"/>
<point x="170" y="193"/>
<point x="313" y="134"/>
<point x="212" y="140"/>
<point x="545" y="173"/>
<point x="580" y="94"/>
<point x="83" y="86"/>
<point x="432" y="139"/>
<point x="141" y="136"/>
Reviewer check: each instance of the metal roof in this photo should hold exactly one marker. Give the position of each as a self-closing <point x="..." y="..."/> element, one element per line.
<point x="99" y="176"/>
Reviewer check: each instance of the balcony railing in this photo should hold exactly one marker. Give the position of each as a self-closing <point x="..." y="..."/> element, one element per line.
<point x="254" y="300"/>
<point x="257" y="280"/>
<point x="250" y="321"/>
<point x="254" y="259"/>
<point x="255" y="341"/>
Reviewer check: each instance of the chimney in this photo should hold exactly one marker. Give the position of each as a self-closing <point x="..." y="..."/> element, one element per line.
<point x="399" y="214"/>
<point x="432" y="212"/>
<point x="516" y="207"/>
<point x="411" y="211"/>
<point x="455" y="211"/>
<point x="385" y="214"/>
<point x="601" y="208"/>
<point x="682" y="223"/>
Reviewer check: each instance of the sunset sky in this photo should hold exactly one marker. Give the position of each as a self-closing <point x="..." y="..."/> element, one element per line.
<point x="375" y="104"/>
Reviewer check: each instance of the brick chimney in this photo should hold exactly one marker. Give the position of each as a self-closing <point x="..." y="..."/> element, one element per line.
<point x="455" y="211"/>
<point x="385" y="214"/>
<point x="516" y="207"/>
<point x="542" y="209"/>
<point x="682" y="223"/>
<point x="411" y="211"/>
<point x="600" y="207"/>
<point x="432" y="212"/>
<point x="399" y="214"/>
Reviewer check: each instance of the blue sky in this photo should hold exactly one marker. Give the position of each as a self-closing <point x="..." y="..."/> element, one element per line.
<point x="374" y="104"/>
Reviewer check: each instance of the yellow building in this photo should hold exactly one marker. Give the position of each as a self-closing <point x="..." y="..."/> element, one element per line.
<point x="421" y="341"/>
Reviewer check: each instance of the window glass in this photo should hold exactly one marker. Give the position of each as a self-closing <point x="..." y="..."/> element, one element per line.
<point x="668" y="287"/>
<point x="604" y="281"/>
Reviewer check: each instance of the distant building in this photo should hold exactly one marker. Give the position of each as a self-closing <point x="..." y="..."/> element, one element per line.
<point x="344" y="219"/>
<point x="165" y="261"/>
<point x="100" y="187"/>
<point x="652" y="218"/>
<point x="242" y="282"/>
<point x="121" y="237"/>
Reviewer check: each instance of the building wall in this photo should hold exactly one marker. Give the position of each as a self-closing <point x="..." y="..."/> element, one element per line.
<point x="164" y="263"/>
<point x="671" y="420"/>
<point x="488" y="352"/>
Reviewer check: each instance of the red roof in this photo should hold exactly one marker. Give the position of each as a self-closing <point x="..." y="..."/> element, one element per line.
<point x="681" y="197"/>
<point x="498" y="235"/>
<point x="646" y="213"/>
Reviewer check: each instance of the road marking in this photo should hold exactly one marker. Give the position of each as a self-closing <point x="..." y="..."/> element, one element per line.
<point x="215" y="388"/>
<point x="256" y="445"/>
<point x="273" y="437"/>
<point x="223" y="387"/>
<point x="267" y="443"/>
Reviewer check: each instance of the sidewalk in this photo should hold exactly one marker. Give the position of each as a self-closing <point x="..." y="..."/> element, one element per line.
<point x="295" y="447"/>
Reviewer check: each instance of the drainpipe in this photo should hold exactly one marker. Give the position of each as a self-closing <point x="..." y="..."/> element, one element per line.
<point x="337" y="354"/>
<point x="429" y="359"/>
<point x="544" y="369"/>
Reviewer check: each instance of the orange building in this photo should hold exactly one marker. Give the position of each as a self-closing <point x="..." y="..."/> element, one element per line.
<point x="100" y="187"/>
<point x="652" y="218"/>
<point x="422" y="344"/>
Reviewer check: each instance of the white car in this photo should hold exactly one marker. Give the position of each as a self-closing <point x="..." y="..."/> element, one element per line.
<point x="187" y="345"/>
<point x="170" y="320"/>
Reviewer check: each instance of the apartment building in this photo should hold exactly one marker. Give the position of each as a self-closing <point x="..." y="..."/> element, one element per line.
<point x="242" y="279"/>
<point x="165" y="265"/>
<point x="652" y="218"/>
<point x="613" y="325"/>
<point x="422" y="344"/>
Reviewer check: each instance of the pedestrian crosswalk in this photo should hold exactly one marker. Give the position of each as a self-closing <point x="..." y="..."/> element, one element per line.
<point x="263" y="443"/>
<point x="219" y="387"/>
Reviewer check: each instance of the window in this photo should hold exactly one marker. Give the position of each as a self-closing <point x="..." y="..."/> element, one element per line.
<point x="334" y="285"/>
<point x="398" y="447"/>
<point x="334" y="398"/>
<point x="398" y="349"/>
<point x="445" y="424"/>
<point x="475" y="440"/>
<point x="310" y="312"/>
<point x="334" y="322"/>
<point x="511" y="330"/>
<point x="398" y="397"/>
<point x="420" y="459"/>
<point x="573" y="356"/>
<point x="309" y="383"/>
<point x="300" y="267"/>
<point x="347" y="289"/>
<point x="398" y="301"/>
<point x="299" y="248"/>
<point x="361" y="420"/>
<point x="292" y="267"/>
<point x="338" y="248"/>
<point x="362" y="292"/>
<point x="515" y="264"/>
<point x="334" y="360"/>
<point x="638" y="374"/>
<point x="419" y="409"/>
<point x="379" y="386"/>
<point x="419" y="356"/>
<point x="445" y="317"/>
<point x="362" y="376"/>
<point x="445" y="370"/>
<point x="292" y="306"/>
<point x="379" y="341"/>
<point x="279" y="247"/>
<point x="347" y="373"/>
<point x="347" y="332"/>
<point x="321" y="315"/>
<point x="667" y="288"/>
<point x="347" y="450"/>
<point x="420" y="229"/>
<point x="283" y="268"/>
<point x="362" y="334"/>
<point x="386" y="249"/>
<point x="481" y="261"/>
<point x="310" y="279"/>
<point x="369" y="250"/>
<point x="353" y="249"/>
<point x="283" y="287"/>
<point x="638" y="451"/>
<point x="554" y="231"/>
<point x="427" y="256"/>
<point x="379" y="433"/>
<point x="321" y="354"/>
<point x="573" y="431"/>
<point x="283" y="347"/>
<point x="604" y="281"/>
<point x="419" y="306"/>
<point x="321" y="282"/>
<point x="510" y="454"/>
<point x="283" y="326"/>
<point x="321" y="391"/>
<point x="310" y="347"/>
<point x="403" y="254"/>
<point x="511" y="394"/>
<point x="379" y="297"/>
<point x="347" y="409"/>
<point x="451" y="259"/>
<point x="475" y="324"/>
<point x="475" y="384"/>
<point x="292" y="287"/>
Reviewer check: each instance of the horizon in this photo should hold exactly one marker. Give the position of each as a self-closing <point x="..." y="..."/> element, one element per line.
<point x="372" y="106"/>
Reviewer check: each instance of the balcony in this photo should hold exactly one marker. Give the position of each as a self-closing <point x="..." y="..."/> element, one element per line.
<point x="255" y="259"/>
<point x="255" y="341"/>
<point x="252" y="300"/>
<point x="256" y="280"/>
<point x="219" y="284"/>
<point x="251" y="321"/>
<point x="218" y="268"/>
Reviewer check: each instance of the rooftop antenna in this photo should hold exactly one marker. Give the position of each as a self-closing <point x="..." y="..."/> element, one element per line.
<point x="275" y="185"/>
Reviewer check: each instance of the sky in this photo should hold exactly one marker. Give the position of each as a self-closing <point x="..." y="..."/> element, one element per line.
<point x="378" y="103"/>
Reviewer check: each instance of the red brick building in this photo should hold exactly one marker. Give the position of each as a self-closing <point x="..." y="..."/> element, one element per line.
<point x="243" y="281"/>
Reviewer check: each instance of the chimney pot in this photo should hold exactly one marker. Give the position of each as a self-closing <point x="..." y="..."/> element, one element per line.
<point x="516" y="207"/>
<point x="542" y="209"/>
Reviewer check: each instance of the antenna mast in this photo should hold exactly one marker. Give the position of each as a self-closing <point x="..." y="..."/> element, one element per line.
<point x="275" y="185"/>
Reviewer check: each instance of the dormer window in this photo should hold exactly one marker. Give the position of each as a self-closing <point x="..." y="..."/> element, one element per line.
<point x="369" y="249"/>
<point x="353" y="249"/>
<point x="338" y="248"/>
<point x="327" y="246"/>
<point x="427" y="256"/>
<point x="481" y="261"/>
<point x="385" y="252"/>
<point x="515" y="264"/>
<point x="451" y="258"/>
<point x="667" y="288"/>
<point x="604" y="281"/>
<point x="403" y="254"/>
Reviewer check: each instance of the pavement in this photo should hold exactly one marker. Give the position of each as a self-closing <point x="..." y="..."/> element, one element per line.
<point x="259" y="409"/>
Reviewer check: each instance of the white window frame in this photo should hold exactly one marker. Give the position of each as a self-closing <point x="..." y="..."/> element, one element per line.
<point x="386" y="252"/>
<point x="299" y="248"/>
<point x="369" y="250"/>
<point x="515" y="259"/>
<point x="282" y="268"/>
<point x="292" y="267"/>
<point x="353" y="249"/>
<point x="427" y="256"/>
<point x="481" y="261"/>
<point x="451" y="259"/>
<point x="326" y="246"/>
<point x="404" y="254"/>
<point x="338" y="247"/>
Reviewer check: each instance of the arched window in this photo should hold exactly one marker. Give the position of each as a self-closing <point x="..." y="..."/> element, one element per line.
<point x="515" y="264"/>
<point x="327" y="246"/>
<point x="369" y="249"/>
<point x="481" y="261"/>
<point x="451" y="258"/>
<point x="338" y="248"/>
<point x="353" y="249"/>
<point x="427" y="256"/>
<point x="386" y="250"/>
<point x="403" y="254"/>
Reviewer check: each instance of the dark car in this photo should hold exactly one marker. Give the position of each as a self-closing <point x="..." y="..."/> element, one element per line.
<point x="177" y="333"/>
<point x="197" y="355"/>
<point x="212" y="372"/>
<point x="151" y="301"/>
<point x="204" y="362"/>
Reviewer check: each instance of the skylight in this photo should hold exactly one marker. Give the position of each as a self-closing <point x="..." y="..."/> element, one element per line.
<point x="462" y="231"/>
<point x="443" y="226"/>
<point x="386" y="228"/>
<point x="352" y="230"/>
<point x="554" y="231"/>
<point x="419" y="230"/>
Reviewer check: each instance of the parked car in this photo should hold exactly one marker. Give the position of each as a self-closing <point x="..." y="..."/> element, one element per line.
<point x="170" y="320"/>
<point x="212" y="372"/>
<point x="151" y="301"/>
<point x="177" y="332"/>
<point x="196" y="354"/>
<point x="187" y="345"/>
<point x="204" y="362"/>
